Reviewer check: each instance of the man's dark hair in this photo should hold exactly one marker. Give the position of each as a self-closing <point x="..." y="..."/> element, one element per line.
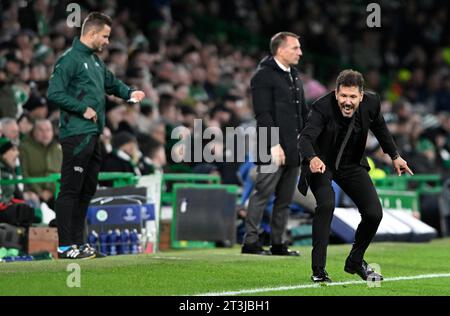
<point x="95" y="20"/>
<point x="350" y="78"/>
<point x="278" y="39"/>
<point x="166" y="101"/>
<point x="148" y="145"/>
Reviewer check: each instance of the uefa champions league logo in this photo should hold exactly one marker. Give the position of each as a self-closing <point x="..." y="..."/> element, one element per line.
<point x="144" y="213"/>
<point x="130" y="215"/>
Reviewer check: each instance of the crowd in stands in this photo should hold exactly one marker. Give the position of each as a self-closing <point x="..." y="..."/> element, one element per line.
<point x="194" y="60"/>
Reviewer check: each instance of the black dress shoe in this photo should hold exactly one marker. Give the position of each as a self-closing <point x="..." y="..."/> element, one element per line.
<point x="363" y="270"/>
<point x="254" y="249"/>
<point x="320" y="276"/>
<point x="283" y="250"/>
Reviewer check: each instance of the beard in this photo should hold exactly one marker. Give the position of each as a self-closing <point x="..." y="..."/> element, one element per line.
<point x="348" y="106"/>
<point x="348" y="109"/>
<point x="99" y="48"/>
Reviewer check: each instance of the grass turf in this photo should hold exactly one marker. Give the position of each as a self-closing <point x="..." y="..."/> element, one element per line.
<point x="190" y="272"/>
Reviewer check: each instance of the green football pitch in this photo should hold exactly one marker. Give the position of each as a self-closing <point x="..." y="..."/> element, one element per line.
<point x="408" y="268"/>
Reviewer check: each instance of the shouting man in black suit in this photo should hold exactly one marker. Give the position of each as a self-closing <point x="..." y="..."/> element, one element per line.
<point x="332" y="148"/>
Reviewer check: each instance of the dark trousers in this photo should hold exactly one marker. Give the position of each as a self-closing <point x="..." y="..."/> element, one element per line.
<point x="80" y="167"/>
<point x="356" y="183"/>
<point x="281" y="182"/>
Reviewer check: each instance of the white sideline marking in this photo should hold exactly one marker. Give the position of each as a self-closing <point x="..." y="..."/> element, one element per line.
<point x="170" y="258"/>
<point x="317" y="285"/>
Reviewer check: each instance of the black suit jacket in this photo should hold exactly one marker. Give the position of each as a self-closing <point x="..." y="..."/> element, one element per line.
<point x="319" y="136"/>
<point x="279" y="102"/>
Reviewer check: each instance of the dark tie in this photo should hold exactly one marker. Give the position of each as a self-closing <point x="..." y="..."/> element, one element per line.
<point x="290" y="76"/>
<point x="345" y="141"/>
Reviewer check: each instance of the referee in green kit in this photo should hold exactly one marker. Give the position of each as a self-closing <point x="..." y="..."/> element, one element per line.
<point x="78" y="86"/>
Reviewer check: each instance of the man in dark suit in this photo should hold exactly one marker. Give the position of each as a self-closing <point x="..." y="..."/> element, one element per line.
<point x="279" y="106"/>
<point x="332" y="148"/>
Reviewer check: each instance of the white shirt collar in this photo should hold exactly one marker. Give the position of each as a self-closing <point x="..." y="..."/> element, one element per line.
<point x="288" y="69"/>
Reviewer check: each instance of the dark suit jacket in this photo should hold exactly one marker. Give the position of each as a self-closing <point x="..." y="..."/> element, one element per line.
<point x="318" y="138"/>
<point x="279" y="102"/>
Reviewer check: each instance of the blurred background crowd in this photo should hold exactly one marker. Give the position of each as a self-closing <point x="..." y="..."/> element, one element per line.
<point x="194" y="60"/>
